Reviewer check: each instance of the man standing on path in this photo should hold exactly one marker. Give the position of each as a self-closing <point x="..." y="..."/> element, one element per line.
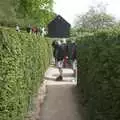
<point x="59" y="57"/>
<point x="54" y="45"/>
<point x="74" y="58"/>
<point x="65" y="53"/>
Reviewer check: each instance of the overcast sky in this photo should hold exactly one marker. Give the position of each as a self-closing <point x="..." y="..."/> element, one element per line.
<point x="70" y="8"/>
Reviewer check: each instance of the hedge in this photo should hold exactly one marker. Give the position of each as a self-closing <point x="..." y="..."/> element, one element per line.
<point x="99" y="74"/>
<point x="23" y="61"/>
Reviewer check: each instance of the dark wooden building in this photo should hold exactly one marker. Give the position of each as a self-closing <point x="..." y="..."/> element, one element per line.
<point x="59" y="28"/>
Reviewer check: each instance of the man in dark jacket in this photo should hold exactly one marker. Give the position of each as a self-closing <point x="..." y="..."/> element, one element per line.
<point x="59" y="53"/>
<point x="54" y="45"/>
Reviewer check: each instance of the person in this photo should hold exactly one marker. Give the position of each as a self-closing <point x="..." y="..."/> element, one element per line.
<point x="29" y="29"/>
<point x="43" y="32"/>
<point x="36" y="30"/>
<point x="54" y="45"/>
<point x="33" y="29"/>
<point x="59" y="57"/>
<point x="69" y="52"/>
<point x="17" y="28"/>
<point x="74" y="58"/>
<point x="65" y="53"/>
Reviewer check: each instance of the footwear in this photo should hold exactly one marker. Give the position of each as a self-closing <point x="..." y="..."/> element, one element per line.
<point x="59" y="78"/>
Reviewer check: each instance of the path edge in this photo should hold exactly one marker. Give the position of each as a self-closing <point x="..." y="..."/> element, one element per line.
<point x="38" y="100"/>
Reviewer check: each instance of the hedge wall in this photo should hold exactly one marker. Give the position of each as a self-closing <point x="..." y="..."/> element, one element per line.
<point x="23" y="61"/>
<point x="99" y="74"/>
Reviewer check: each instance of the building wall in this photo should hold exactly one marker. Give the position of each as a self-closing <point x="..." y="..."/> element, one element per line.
<point x="59" y="28"/>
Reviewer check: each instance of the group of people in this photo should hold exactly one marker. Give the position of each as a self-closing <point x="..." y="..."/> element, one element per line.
<point x="64" y="53"/>
<point x="41" y="31"/>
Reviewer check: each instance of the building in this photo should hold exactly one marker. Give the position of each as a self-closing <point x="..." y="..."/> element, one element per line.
<point x="59" y="28"/>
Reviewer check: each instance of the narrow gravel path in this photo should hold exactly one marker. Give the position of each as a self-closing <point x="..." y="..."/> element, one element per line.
<point x="60" y="103"/>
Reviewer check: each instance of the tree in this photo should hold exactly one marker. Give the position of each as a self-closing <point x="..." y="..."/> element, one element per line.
<point x="29" y="7"/>
<point x="24" y="12"/>
<point x="36" y="11"/>
<point x="95" y="18"/>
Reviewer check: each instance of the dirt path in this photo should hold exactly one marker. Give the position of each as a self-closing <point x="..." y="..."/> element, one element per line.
<point x="60" y="103"/>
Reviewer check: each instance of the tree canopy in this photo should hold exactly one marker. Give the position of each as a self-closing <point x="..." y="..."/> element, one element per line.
<point x="24" y="12"/>
<point x="96" y="18"/>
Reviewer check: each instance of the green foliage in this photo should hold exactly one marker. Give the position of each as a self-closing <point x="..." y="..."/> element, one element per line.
<point x="24" y="12"/>
<point x="94" y="19"/>
<point x="99" y="73"/>
<point x="28" y="7"/>
<point x="7" y="12"/>
<point x="23" y="61"/>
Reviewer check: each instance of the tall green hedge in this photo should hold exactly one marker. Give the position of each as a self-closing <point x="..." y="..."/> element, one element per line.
<point x="99" y="74"/>
<point x="23" y="61"/>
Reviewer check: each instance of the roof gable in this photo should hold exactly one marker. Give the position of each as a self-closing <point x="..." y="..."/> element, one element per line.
<point x="60" y="19"/>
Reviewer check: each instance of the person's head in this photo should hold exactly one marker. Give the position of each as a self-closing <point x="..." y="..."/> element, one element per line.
<point x="59" y="42"/>
<point x="64" y="41"/>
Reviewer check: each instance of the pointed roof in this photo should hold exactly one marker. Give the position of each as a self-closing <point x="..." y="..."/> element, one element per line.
<point x="58" y="17"/>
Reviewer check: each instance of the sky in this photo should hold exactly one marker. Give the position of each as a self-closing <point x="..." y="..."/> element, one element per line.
<point x="69" y="9"/>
